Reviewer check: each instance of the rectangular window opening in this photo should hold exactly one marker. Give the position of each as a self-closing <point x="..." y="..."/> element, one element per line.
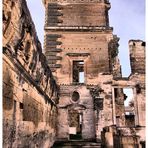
<point x="129" y="106"/>
<point x="124" y="105"/>
<point x="21" y="105"/>
<point x="78" y="72"/>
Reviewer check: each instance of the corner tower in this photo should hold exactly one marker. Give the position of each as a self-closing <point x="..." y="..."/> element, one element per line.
<point x="79" y="46"/>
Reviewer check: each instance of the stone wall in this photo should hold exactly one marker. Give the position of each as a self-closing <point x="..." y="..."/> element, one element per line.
<point x="137" y="56"/>
<point x="84" y="106"/>
<point x="76" y="13"/>
<point x="137" y="83"/>
<point x="137" y="60"/>
<point x="64" y="48"/>
<point x="94" y="103"/>
<point x="119" y="137"/>
<point x="78" y="39"/>
<point x="132" y="132"/>
<point x="30" y="93"/>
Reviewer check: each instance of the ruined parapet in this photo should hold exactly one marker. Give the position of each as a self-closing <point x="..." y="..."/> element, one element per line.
<point x="30" y="93"/>
<point x="137" y="56"/>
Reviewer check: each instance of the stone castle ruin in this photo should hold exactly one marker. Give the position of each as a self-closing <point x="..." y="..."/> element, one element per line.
<point x="73" y="95"/>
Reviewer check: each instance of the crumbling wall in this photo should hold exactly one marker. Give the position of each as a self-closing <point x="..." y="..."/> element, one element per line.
<point x="137" y="56"/>
<point x="104" y="117"/>
<point x="30" y="93"/>
<point x="83" y="105"/>
<point x="114" y="62"/>
<point x="119" y="106"/>
<point x="113" y="136"/>
<point x="129" y="134"/>
<point x="137" y="60"/>
<point x="140" y="105"/>
<point x="76" y="13"/>
<point x="62" y="48"/>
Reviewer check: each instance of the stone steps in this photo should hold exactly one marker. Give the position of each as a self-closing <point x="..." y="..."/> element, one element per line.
<point x="76" y="144"/>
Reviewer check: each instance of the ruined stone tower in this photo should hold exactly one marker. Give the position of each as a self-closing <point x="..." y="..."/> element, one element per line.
<point x="82" y="53"/>
<point x="82" y="102"/>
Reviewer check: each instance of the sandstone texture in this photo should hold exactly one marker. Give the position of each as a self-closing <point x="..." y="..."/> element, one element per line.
<point x="30" y="93"/>
<point x="82" y="52"/>
<point x="75" y="92"/>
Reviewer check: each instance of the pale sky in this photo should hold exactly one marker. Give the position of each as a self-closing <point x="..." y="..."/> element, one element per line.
<point x="127" y="17"/>
<point x="129" y="93"/>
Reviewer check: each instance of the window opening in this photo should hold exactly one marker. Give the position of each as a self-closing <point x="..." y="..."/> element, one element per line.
<point x="129" y="106"/>
<point x="78" y="71"/>
<point x="124" y="107"/>
<point x="129" y="96"/>
<point x="75" y="96"/>
<point x="21" y="105"/>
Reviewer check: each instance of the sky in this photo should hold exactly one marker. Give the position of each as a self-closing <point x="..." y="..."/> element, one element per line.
<point x="127" y="17"/>
<point x="129" y="93"/>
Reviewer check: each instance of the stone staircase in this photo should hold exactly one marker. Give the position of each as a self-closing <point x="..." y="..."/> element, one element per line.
<point x="76" y="144"/>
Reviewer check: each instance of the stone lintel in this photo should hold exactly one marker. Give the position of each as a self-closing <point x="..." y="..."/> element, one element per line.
<point x="78" y="54"/>
<point x="122" y="83"/>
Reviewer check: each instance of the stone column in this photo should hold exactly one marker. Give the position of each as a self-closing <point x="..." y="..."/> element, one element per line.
<point x="136" y="107"/>
<point x="113" y="106"/>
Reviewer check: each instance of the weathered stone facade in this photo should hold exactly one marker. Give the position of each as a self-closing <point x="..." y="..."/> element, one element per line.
<point x="82" y="41"/>
<point x="75" y="91"/>
<point x="131" y="133"/>
<point x="30" y="93"/>
<point x="137" y="56"/>
<point x="82" y="53"/>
